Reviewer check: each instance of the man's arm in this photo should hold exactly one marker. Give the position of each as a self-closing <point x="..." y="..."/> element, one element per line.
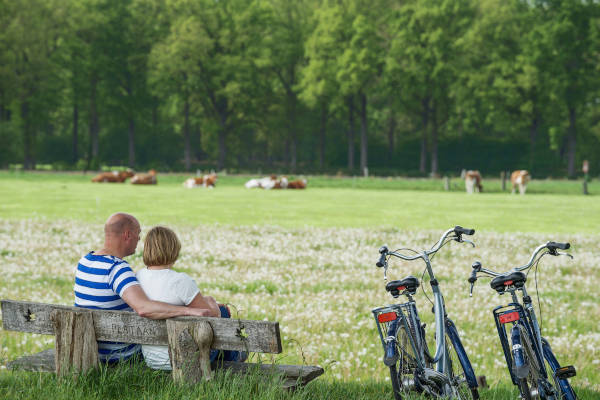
<point x="207" y="303"/>
<point x="135" y="297"/>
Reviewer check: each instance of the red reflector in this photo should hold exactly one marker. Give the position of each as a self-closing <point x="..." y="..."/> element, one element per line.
<point x="387" y="317"/>
<point x="400" y="288"/>
<point x="509" y="317"/>
<point x="508" y="283"/>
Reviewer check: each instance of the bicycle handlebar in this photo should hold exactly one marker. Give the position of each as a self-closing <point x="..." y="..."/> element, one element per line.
<point x="551" y="246"/>
<point x="457" y="230"/>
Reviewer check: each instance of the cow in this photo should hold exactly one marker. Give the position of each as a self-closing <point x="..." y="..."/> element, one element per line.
<point x="520" y="178"/>
<point x="472" y="181"/>
<point x="207" y="181"/>
<point x="297" y="184"/>
<point x="267" y="182"/>
<point x="114" y="176"/>
<point x="145" y="179"/>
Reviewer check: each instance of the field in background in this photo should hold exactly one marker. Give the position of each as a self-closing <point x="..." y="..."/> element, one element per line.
<point x="306" y="259"/>
<point x="327" y="202"/>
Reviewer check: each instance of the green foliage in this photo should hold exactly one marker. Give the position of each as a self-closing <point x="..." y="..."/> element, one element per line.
<point x="274" y="84"/>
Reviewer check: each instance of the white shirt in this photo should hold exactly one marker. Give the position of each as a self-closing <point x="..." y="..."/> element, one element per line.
<point x="171" y="287"/>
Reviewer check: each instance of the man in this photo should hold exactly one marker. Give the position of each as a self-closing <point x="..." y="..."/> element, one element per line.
<point x="103" y="280"/>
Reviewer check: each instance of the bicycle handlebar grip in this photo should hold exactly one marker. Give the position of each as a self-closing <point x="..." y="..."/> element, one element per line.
<point x="555" y="245"/>
<point x="381" y="262"/>
<point x="461" y="230"/>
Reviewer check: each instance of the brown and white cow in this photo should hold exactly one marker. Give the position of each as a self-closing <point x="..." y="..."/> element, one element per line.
<point x="268" y="182"/>
<point x="144" y="179"/>
<point x="472" y="181"/>
<point x="297" y="184"/>
<point x="114" y="176"/>
<point x="520" y="178"/>
<point x="207" y="181"/>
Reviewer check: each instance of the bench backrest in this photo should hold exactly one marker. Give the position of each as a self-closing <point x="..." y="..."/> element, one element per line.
<point x="128" y="327"/>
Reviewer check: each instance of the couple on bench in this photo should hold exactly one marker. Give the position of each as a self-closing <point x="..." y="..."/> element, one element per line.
<point x="103" y="280"/>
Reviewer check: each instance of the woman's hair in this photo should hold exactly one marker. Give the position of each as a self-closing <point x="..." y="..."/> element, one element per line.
<point x="161" y="246"/>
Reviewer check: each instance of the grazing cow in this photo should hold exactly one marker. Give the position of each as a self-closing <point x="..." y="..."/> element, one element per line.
<point x="208" y="181"/>
<point x="267" y="182"/>
<point x="297" y="184"/>
<point x="472" y="180"/>
<point x="114" y="176"/>
<point x="282" y="183"/>
<point x="145" y="179"/>
<point x="519" y="178"/>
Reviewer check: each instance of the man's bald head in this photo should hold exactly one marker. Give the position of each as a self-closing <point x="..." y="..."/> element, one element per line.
<point x="118" y="223"/>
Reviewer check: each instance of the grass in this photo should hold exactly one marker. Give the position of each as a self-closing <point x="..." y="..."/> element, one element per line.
<point x="136" y="382"/>
<point x="305" y="259"/>
<point x="327" y="202"/>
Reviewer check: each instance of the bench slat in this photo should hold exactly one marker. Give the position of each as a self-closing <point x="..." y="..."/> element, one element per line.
<point x="294" y="374"/>
<point x="122" y="326"/>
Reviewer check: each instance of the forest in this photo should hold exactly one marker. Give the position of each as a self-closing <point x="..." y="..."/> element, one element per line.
<point x="410" y="87"/>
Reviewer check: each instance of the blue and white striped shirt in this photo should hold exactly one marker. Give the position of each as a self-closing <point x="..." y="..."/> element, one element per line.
<point x="100" y="281"/>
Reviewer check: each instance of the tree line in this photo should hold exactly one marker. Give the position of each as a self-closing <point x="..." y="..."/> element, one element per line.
<point x="412" y="86"/>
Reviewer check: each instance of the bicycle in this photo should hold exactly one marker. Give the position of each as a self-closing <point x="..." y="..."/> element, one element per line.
<point x="527" y="353"/>
<point x="412" y="368"/>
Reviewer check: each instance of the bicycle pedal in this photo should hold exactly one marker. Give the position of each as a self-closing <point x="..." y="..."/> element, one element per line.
<point x="565" y="372"/>
<point x="482" y="382"/>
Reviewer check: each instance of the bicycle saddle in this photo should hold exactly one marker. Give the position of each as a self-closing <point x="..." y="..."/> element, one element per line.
<point x="516" y="279"/>
<point x="408" y="284"/>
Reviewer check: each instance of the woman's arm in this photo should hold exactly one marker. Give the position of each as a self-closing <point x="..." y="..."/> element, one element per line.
<point x="207" y="303"/>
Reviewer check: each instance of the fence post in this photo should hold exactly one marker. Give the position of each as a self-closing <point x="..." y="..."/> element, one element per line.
<point x="76" y="349"/>
<point x="446" y="183"/>
<point x="503" y="179"/>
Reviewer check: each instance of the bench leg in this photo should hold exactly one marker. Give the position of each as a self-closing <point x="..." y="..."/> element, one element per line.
<point x="189" y="350"/>
<point x="75" y="342"/>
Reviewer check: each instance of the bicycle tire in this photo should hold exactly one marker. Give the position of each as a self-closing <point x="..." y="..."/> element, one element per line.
<point x="529" y="384"/>
<point x="403" y="371"/>
<point x="458" y="375"/>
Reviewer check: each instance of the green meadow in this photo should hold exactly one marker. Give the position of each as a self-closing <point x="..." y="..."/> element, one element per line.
<point x="306" y="258"/>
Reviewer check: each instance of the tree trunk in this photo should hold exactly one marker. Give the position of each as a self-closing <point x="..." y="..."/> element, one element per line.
<point x="28" y="162"/>
<point x="350" y="133"/>
<point x="292" y="131"/>
<point x="75" y="130"/>
<point x="425" y="120"/>
<point x="198" y="150"/>
<point x="187" y="153"/>
<point x="131" y="142"/>
<point x="434" y="143"/>
<point x="94" y="127"/>
<point x="391" y="134"/>
<point x="222" y="140"/>
<point x="322" y="131"/>
<point x="533" y="132"/>
<point x="363" y="133"/>
<point x="571" y="142"/>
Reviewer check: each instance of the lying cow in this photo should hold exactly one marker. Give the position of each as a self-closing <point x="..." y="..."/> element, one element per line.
<point x="208" y="181"/>
<point x="297" y="184"/>
<point x="267" y="182"/>
<point x="519" y="178"/>
<point x="472" y="181"/>
<point x="145" y="179"/>
<point x="114" y="176"/>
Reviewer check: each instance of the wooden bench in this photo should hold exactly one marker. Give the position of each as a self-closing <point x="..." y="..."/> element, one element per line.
<point x="190" y="339"/>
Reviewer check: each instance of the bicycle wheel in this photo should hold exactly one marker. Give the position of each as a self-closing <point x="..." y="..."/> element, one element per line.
<point x="402" y="373"/>
<point x="457" y="374"/>
<point x="528" y="386"/>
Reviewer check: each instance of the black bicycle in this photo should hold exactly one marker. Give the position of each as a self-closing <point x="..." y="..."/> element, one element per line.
<point x="525" y="350"/>
<point x="448" y="373"/>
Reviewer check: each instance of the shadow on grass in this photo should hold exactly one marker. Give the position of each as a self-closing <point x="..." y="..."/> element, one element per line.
<point x="139" y="382"/>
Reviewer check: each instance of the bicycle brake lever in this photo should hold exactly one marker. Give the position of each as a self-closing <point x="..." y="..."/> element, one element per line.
<point x="471" y="292"/>
<point x="560" y="253"/>
<point x="468" y="241"/>
<point x="385" y="272"/>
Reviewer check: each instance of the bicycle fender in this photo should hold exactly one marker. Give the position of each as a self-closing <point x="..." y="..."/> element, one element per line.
<point x="520" y="365"/>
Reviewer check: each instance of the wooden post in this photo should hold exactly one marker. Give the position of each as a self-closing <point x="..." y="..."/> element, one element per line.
<point x="446" y="183"/>
<point x="585" y="187"/>
<point x="75" y="344"/>
<point x="189" y="349"/>
<point x="503" y="179"/>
